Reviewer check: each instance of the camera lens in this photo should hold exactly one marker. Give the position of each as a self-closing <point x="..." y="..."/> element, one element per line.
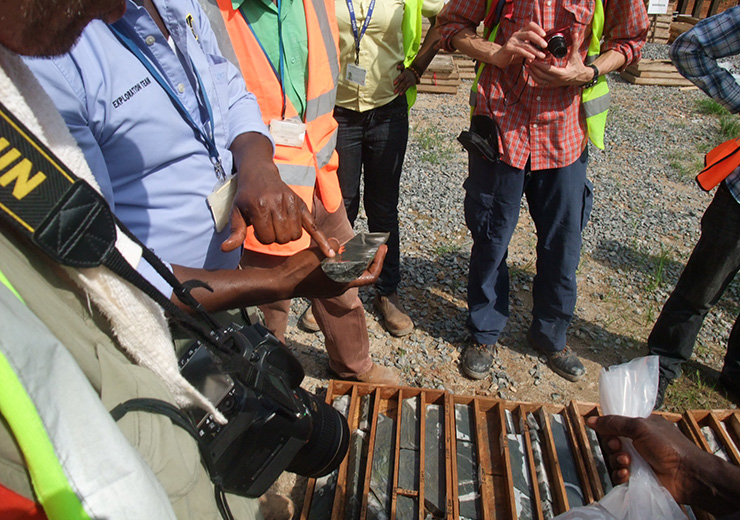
<point x="557" y="45"/>
<point x="327" y="445"/>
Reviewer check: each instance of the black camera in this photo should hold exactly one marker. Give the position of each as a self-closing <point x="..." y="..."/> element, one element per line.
<point x="558" y="41"/>
<point x="273" y="424"/>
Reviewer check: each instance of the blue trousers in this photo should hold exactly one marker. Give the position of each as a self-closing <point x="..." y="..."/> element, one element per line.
<point x="560" y="201"/>
<point x="710" y="269"/>
<point x="373" y="144"/>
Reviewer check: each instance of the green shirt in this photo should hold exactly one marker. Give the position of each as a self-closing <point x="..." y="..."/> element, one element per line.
<point x="262" y="17"/>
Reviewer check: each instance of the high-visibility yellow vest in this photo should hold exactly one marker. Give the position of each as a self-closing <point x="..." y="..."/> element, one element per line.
<point x="595" y="99"/>
<point x="314" y="163"/>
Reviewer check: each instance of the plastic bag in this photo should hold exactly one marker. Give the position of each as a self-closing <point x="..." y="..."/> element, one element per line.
<point x="630" y="389"/>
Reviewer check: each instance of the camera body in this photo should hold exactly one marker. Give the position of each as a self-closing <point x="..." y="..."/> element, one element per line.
<point x="273" y="424"/>
<point x="558" y="41"/>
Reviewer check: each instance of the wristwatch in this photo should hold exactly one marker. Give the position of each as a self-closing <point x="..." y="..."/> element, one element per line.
<point x="595" y="78"/>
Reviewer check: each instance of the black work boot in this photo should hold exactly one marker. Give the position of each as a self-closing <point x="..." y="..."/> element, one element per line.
<point x="564" y="363"/>
<point x="663" y="383"/>
<point x="476" y="360"/>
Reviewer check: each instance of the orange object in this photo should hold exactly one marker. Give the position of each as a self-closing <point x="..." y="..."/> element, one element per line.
<point x="314" y="163"/>
<point x="719" y="163"/>
<point x="16" y="507"/>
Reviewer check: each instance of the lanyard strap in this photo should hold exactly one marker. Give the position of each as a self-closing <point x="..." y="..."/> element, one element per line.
<point x="208" y="135"/>
<point x="280" y="72"/>
<point x="353" y="22"/>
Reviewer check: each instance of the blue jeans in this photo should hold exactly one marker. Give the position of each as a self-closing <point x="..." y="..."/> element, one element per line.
<point x="560" y="201"/>
<point x="374" y="143"/>
<point x="710" y="269"/>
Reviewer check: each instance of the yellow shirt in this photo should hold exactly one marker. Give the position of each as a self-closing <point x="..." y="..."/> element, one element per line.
<point x="381" y="50"/>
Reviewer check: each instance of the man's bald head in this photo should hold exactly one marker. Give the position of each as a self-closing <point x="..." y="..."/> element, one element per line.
<point x="51" y="27"/>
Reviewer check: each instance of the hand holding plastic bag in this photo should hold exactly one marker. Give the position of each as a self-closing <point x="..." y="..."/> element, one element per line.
<point x="629" y="389"/>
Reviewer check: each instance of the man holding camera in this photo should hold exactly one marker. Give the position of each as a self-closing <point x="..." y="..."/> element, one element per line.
<point x="542" y="92"/>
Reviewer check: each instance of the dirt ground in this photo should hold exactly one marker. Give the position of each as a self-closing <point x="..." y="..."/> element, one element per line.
<point x="607" y="330"/>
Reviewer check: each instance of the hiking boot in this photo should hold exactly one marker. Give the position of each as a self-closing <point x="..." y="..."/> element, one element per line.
<point x="307" y="322"/>
<point x="663" y="383"/>
<point x="564" y="363"/>
<point x="397" y="322"/>
<point x="380" y="375"/>
<point x="476" y="360"/>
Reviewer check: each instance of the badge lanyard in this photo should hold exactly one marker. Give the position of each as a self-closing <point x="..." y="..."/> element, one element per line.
<point x="353" y="22"/>
<point x="208" y="135"/>
<point x="280" y="73"/>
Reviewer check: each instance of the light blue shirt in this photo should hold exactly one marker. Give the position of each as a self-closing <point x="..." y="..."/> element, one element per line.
<point x="150" y="166"/>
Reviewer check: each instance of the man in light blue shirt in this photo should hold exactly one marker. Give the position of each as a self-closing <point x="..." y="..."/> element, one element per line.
<point x="156" y="109"/>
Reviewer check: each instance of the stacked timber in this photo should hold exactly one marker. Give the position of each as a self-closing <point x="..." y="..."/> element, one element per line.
<point x="654" y="72"/>
<point x="660" y="28"/>
<point x="682" y="24"/>
<point x="441" y="76"/>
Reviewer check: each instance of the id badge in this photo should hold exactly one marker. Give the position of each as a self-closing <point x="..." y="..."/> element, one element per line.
<point x="220" y="201"/>
<point x="288" y="132"/>
<point x="356" y="74"/>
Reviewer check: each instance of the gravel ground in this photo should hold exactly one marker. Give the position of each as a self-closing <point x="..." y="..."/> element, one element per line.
<point x="644" y="224"/>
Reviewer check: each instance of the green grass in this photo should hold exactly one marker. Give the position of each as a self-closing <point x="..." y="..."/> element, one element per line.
<point x="690" y="392"/>
<point x="445" y="249"/>
<point x="690" y="161"/>
<point x="436" y="147"/>
<point x="729" y="126"/>
<point x="710" y="107"/>
<point x="657" y="276"/>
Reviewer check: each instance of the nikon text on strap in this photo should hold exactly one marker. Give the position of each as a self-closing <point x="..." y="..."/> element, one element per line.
<point x="71" y="222"/>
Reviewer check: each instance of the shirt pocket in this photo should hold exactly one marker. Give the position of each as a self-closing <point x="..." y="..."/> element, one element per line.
<point x="220" y="74"/>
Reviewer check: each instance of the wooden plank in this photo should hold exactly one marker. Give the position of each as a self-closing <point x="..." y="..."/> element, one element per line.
<point x="655" y="81"/>
<point x="431" y="89"/>
<point x="664" y="75"/>
<point x="652" y="66"/>
<point x="697" y="8"/>
<point x="441" y="63"/>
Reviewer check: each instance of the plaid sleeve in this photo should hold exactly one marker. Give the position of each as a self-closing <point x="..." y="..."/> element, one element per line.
<point x="695" y="54"/>
<point x="458" y="15"/>
<point x="626" y="26"/>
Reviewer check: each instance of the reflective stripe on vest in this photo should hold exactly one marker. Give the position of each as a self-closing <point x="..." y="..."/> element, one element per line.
<point x="78" y="471"/>
<point x="595" y="99"/>
<point x="314" y="164"/>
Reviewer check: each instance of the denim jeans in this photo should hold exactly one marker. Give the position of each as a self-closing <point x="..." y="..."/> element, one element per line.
<point x="710" y="269"/>
<point x="373" y="144"/>
<point x="560" y="201"/>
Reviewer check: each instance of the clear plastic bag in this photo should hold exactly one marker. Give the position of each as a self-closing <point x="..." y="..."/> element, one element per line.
<point x="630" y="389"/>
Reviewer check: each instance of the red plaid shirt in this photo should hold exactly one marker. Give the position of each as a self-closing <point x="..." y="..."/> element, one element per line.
<point x="546" y="124"/>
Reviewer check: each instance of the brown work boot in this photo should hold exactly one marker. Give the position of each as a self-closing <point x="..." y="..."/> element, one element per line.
<point x="397" y="322"/>
<point x="307" y="322"/>
<point x="380" y="375"/>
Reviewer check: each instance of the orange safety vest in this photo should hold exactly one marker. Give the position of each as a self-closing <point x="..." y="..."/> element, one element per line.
<point x="314" y="164"/>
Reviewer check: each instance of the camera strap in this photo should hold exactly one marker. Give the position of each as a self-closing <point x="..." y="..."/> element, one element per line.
<point x="73" y="224"/>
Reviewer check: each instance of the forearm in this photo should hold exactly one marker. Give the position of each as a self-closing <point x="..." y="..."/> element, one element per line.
<point x="234" y="288"/>
<point x="472" y="45"/>
<point x="428" y="49"/>
<point x="716" y="485"/>
<point x="609" y="61"/>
